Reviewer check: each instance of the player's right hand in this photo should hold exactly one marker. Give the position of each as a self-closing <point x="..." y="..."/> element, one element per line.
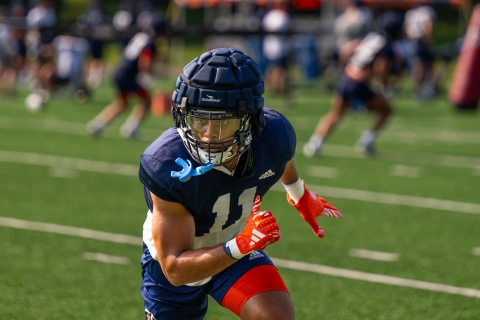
<point x="260" y="230"/>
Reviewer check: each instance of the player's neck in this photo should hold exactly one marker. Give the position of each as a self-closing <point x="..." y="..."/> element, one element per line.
<point x="228" y="168"/>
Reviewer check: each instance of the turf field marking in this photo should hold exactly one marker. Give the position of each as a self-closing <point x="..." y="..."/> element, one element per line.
<point x="476" y="171"/>
<point x="68" y="163"/>
<point x="334" y="192"/>
<point x="76" y="128"/>
<point x="67" y="127"/>
<point x="322" y="172"/>
<point x="69" y="231"/>
<point x="105" y="258"/>
<point x="390" y="198"/>
<point x="376" y="278"/>
<point x="373" y="255"/>
<point x="445" y="160"/>
<point x="476" y="251"/>
<point x="399" y="170"/>
<point x="63" y="173"/>
<point x="289" y="264"/>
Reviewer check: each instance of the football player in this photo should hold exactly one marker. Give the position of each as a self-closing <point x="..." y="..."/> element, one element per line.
<point x="371" y="59"/>
<point x="202" y="178"/>
<point x="419" y="25"/>
<point x="134" y="76"/>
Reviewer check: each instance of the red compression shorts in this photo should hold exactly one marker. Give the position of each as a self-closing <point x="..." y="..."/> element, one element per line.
<point x="257" y="280"/>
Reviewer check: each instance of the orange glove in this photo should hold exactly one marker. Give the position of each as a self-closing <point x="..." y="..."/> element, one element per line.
<point x="310" y="206"/>
<point x="260" y="231"/>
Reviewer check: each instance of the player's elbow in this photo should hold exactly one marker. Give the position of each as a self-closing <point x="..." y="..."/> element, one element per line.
<point x="173" y="275"/>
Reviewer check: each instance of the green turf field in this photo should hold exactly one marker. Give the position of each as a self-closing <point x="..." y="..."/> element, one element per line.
<point x="72" y="210"/>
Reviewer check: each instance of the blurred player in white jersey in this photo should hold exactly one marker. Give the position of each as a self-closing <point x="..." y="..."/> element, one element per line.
<point x="276" y="48"/>
<point x="419" y="24"/>
<point x="371" y="60"/>
<point x="64" y="72"/>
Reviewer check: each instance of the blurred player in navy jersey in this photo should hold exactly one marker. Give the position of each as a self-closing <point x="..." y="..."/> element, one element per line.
<point x="372" y="59"/>
<point x="133" y="76"/>
<point x="203" y="181"/>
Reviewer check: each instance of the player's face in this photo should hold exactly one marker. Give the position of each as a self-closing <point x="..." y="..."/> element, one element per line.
<point x="215" y="129"/>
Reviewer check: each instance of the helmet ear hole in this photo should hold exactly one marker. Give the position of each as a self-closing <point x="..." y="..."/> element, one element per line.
<point x="258" y="122"/>
<point x="179" y="111"/>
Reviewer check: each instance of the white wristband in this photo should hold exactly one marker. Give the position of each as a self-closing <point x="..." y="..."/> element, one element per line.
<point x="232" y="250"/>
<point x="295" y="190"/>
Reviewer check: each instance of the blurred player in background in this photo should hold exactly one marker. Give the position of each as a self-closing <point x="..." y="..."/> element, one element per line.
<point x="276" y="48"/>
<point x="41" y="21"/>
<point x="371" y="60"/>
<point x="350" y="27"/>
<point x="12" y="52"/>
<point x="94" y="25"/>
<point x="65" y="72"/>
<point x="201" y="177"/>
<point x="123" y="20"/>
<point x="133" y="76"/>
<point x="419" y="25"/>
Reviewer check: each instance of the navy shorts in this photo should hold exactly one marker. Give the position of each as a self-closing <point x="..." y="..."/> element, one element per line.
<point x="352" y="90"/>
<point x="126" y="84"/>
<point x="167" y="302"/>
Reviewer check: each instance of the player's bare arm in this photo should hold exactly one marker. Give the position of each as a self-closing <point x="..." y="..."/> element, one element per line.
<point x="173" y="231"/>
<point x="290" y="175"/>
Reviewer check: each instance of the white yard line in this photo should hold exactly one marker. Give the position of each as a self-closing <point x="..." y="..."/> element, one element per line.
<point x="476" y="251"/>
<point x="396" y="156"/>
<point x="377" y="278"/>
<point x="66" y="127"/>
<point x="68" y="163"/>
<point x="289" y="264"/>
<point x="390" y="198"/>
<point x="76" y="128"/>
<point x="373" y="255"/>
<point x="69" y="231"/>
<point x="334" y="192"/>
<point x="400" y="170"/>
<point x="105" y="258"/>
<point x="322" y="172"/>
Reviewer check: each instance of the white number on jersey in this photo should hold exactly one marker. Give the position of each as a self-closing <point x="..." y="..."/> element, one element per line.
<point x="222" y="208"/>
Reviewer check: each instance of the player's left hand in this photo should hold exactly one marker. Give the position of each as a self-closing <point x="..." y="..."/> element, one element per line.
<point x="310" y="206"/>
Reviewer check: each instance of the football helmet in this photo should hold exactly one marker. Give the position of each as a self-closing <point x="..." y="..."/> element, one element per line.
<point x="218" y="105"/>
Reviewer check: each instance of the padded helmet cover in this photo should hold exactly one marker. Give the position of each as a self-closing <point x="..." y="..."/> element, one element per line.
<point x="223" y="79"/>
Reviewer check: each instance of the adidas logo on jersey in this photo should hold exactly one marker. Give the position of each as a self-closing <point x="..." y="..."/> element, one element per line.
<point x="256" y="236"/>
<point x="267" y="174"/>
<point x="255" y="255"/>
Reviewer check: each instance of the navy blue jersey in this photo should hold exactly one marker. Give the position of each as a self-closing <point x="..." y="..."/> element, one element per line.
<point x="218" y="202"/>
<point x="138" y="44"/>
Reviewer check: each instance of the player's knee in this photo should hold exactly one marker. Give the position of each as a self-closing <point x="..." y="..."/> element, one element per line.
<point x="280" y="309"/>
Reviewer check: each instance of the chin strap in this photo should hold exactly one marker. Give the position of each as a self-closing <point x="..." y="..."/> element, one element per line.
<point x="187" y="172"/>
